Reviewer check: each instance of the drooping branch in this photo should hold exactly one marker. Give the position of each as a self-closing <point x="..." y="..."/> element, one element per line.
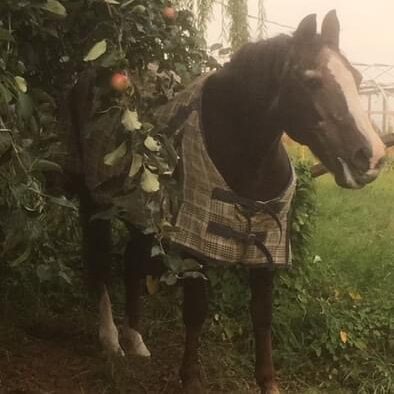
<point x="239" y="28"/>
<point x="261" y="27"/>
<point x="234" y="13"/>
<point x="204" y="11"/>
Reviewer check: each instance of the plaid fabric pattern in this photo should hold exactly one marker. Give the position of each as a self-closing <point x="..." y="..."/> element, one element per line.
<point x="221" y="230"/>
<point x="209" y="225"/>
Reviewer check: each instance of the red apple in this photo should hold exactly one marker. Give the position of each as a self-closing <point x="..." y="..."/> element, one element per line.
<point x="169" y="14"/>
<point x="120" y="82"/>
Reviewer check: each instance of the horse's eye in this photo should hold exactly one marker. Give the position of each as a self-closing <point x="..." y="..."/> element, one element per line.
<point x="313" y="83"/>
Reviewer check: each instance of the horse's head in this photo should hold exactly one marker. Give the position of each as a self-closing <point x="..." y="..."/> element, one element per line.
<point x="320" y="100"/>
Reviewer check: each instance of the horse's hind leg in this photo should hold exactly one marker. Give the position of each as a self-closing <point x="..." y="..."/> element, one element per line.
<point x="261" y="281"/>
<point x="137" y="258"/>
<point x="97" y="244"/>
<point x="195" y="307"/>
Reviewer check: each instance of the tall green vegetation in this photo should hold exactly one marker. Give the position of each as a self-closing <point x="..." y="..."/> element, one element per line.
<point x="44" y="46"/>
<point x="234" y="18"/>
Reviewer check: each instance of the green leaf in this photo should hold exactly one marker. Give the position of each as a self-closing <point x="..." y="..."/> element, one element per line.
<point x="169" y="278"/>
<point x="107" y="214"/>
<point x="5" y="142"/>
<point x="55" y="7"/>
<point x="5" y="35"/>
<point x="130" y="120"/>
<point x="152" y="144"/>
<point x="360" y="344"/>
<point x="225" y="51"/>
<point x="25" y="106"/>
<point x="127" y="3"/>
<point x="191" y="265"/>
<point x="112" y="1"/>
<point x="135" y="165"/>
<point x="173" y="154"/>
<point x="63" y="202"/>
<point x="111" y="59"/>
<point x="149" y="182"/>
<point x="65" y="277"/>
<point x="139" y="8"/>
<point x="156" y="250"/>
<point x="96" y="51"/>
<point x="43" y="272"/>
<point x="21" y="84"/>
<point x="5" y="94"/>
<point x="215" y="47"/>
<point x="22" y="258"/>
<point x="228" y="331"/>
<point x="46" y="166"/>
<point x="111" y="159"/>
<point x="193" y="275"/>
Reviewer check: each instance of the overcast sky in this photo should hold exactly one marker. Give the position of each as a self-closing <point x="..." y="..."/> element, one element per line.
<point x="367" y="26"/>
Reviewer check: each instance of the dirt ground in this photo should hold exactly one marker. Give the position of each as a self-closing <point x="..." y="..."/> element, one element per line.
<point x="34" y="361"/>
<point x="63" y="358"/>
<point x="36" y="365"/>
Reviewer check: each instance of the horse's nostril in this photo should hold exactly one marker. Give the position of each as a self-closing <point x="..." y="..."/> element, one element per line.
<point x="381" y="162"/>
<point x="361" y="159"/>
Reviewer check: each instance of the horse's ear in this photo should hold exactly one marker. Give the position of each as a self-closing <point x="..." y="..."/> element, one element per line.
<point x="330" y="30"/>
<point x="307" y="28"/>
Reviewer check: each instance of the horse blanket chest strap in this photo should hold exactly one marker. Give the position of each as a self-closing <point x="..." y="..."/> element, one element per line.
<point x="213" y="222"/>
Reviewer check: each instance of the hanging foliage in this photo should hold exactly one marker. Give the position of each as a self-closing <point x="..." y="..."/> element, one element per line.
<point x="141" y="51"/>
<point x="204" y="10"/>
<point x="239" y="29"/>
<point x="233" y="15"/>
<point x="261" y="28"/>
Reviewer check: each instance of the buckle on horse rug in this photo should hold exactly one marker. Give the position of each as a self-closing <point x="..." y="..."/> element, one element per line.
<point x="249" y="207"/>
<point x="250" y="238"/>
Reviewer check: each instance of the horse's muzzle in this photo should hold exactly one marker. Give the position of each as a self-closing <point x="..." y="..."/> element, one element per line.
<point x="350" y="178"/>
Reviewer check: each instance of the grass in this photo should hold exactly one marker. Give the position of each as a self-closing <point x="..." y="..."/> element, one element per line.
<point x="354" y="238"/>
<point x="350" y="289"/>
<point x="355" y="233"/>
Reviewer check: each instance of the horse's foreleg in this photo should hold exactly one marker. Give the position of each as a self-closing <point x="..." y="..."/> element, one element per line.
<point x="137" y="255"/>
<point x="108" y="333"/>
<point x="195" y="307"/>
<point x="98" y="259"/>
<point x="97" y="244"/>
<point x="261" y="282"/>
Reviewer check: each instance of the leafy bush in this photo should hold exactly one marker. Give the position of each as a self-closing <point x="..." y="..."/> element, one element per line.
<point x="330" y="323"/>
<point x="333" y="331"/>
<point x="44" y="46"/>
<point x="27" y="127"/>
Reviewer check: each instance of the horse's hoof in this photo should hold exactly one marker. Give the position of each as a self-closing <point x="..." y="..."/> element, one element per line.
<point x="271" y="389"/>
<point x="114" y="352"/>
<point x="193" y="386"/>
<point x="111" y="345"/>
<point x="135" y="344"/>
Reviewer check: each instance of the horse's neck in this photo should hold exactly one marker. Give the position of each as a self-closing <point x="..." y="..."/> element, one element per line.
<point x="243" y="143"/>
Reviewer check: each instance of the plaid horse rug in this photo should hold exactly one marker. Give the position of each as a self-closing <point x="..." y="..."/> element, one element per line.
<point x="213" y="223"/>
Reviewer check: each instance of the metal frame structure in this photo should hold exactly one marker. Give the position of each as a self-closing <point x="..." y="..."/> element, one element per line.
<point x="378" y="88"/>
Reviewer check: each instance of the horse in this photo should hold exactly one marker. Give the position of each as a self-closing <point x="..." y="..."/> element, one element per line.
<point x="300" y="84"/>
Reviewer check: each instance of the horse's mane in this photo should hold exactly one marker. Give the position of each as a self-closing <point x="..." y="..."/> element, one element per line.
<point x="256" y="68"/>
<point x="258" y="51"/>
